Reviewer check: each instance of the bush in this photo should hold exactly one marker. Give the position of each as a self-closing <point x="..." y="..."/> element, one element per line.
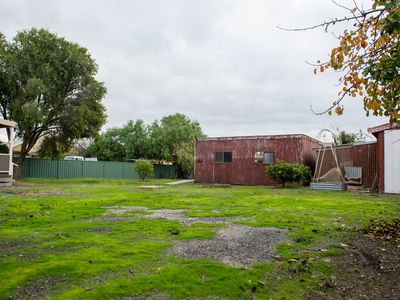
<point x="283" y="172"/>
<point x="144" y="168"/>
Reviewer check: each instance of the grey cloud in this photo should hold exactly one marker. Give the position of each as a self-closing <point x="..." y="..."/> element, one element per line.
<point x="222" y="62"/>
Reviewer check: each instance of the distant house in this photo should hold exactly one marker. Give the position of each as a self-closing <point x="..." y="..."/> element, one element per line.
<point x="388" y="157"/>
<point x="34" y="152"/>
<point x="242" y="160"/>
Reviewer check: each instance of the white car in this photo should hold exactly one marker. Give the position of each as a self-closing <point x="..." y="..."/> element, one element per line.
<point x="74" y="158"/>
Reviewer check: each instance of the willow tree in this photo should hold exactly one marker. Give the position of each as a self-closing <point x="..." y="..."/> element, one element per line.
<point x="48" y="86"/>
<point x="367" y="57"/>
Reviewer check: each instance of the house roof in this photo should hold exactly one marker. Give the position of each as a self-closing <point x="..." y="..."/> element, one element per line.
<point x="7" y="123"/>
<point x="33" y="151"/>
<point x="383" y="127"/>
<point x="260" y="137"/>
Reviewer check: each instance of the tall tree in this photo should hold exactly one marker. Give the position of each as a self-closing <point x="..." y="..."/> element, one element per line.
<point x="108" y="146"/>
<point x="175" y="137"/>
<point x="367" y="57"/>
<point x="48" y="86"/>
<point x="170" y="139"/>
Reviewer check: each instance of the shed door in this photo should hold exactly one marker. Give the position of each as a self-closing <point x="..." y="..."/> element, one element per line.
<point x="392" y="161"/>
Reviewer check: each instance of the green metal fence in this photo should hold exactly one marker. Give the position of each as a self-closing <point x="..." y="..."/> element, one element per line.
<point x="44" y="168"/>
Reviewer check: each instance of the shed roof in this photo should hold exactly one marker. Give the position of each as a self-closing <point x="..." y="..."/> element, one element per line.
<point x="7" y="123"/>
<point x="260" y="137"/>
<point x="383" y="127"/>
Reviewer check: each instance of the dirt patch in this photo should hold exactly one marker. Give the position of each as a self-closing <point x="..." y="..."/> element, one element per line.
<point x="236" y="245"/>
<point x="27" y="184"/>
<point x="369" y="269"/>
<point x="113" y="219"/>
<point x="150" y="187"/>
<point x="11" y="245"/>
<point x="153" y="294"/>
<point x="99" y="229"/>
<point x="163" y="214"/>
<point x="26" y="193"/>
<point x="120" y="210"/>
<point x="38" y="289"/>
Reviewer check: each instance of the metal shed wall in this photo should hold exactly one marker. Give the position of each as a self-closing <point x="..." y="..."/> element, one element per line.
<point x="242" y="170"/>
<point x="358" y="155"/>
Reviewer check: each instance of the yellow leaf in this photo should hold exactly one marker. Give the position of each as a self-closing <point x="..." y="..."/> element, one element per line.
<point x="321" y="69"/>
<point x="339" y="110"/>
<point x="375" y="105"/>
<point x="363" y="44"/>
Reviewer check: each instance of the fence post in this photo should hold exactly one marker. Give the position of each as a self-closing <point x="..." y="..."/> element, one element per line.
<point x="58" y="169"/>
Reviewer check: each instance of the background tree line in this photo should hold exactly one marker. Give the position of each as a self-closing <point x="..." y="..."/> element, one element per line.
<point x="170" y="139"/>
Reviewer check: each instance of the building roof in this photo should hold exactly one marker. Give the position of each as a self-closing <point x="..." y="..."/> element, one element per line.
<point x="383" y="127"/>
<point x="7" y="123"/>
<point x="259" y="137"/>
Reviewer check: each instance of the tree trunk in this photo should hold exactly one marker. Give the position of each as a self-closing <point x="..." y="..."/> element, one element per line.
<point x="20" y="162"/>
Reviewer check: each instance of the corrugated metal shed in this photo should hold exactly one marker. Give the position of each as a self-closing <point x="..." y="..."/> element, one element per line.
<point x="242" y="169"/>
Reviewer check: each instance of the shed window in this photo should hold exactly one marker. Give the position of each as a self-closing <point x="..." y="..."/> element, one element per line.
<point x="223" y="157"/>
<point x="267" y="158"/>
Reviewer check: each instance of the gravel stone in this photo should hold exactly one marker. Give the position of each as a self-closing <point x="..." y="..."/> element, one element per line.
<point x="236" y="245"/>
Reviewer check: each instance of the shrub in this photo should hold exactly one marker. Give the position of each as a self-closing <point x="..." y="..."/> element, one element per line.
<point x="283" y="172"/>
<point x="144" y="168"/>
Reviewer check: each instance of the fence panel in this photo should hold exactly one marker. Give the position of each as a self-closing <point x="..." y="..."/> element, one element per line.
<point x="93" y="169"/>
<point x="40" y="168"/>
<point x="43" y="168"/>
<point x="69" y="169"/>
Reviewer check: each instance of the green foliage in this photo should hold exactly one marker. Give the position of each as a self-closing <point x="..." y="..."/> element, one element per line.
<point x="283" y="172"/>
<point x="368" y="58"/>
<point x="48" y="86"/>
<point x="3" y="148"/>
<point x="185" y="158"/>
<point x="171" y="139"/>
<point x="53" y="148"/>
<point x="54" y="238"/>
<point x="108" y="146"/>
<point x="144" y="168"/>
<point x="341" y="137"/>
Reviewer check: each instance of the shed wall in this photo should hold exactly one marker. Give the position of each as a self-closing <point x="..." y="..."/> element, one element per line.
<point x="242" y="170"/>
<point x="392" y="161"/>
<point x="362" y="155"/>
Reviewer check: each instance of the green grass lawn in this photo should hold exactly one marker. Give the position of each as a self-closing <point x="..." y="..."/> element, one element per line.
<point x="49" y="247"/>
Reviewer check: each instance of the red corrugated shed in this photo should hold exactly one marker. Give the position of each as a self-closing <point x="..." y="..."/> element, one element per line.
<point x="243" y="169"/>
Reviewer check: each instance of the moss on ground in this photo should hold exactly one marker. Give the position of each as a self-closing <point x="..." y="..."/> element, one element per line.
<point x="52" y="246"/>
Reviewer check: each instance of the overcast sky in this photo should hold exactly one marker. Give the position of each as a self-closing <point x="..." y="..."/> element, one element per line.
<point x="223" y="63"/>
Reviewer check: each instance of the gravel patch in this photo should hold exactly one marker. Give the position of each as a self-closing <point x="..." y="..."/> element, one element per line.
<point x="120" y="210"/>
<point x="236" y="245"/>
<point x="150" y="187"/>
<point x="162" y="214"/>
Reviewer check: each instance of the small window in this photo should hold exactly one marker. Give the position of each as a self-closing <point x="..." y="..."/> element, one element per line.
<point x="223" y="157"/>
<point x="219" y="157"/>
<point x="267" y="158"/>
